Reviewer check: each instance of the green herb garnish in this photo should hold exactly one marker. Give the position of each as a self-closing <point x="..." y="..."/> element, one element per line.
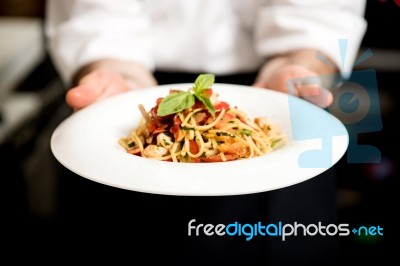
<point x="223" y="133"/>
<point x="175" y="103"/>
<point x="275" y="142"/>
<point x="246" y="132"/>
<point x="131" y="144"/>
<point x="179" y="101"/>
<point x="186" y="128"/>
<point x="202" y="83"/>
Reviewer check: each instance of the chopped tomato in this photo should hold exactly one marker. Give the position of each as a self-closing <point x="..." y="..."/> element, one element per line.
<point x="224" y="120"/>
<point x="195" y="160"/>
<point x="174" y="129"/>
<point x="234" y="148"/>
<point x="193" y="146"/>
<point x="217" y="158"/>
<point x="208" y="92"/>
<point x="228" y="117"/>
<point x="135" y="151"/>
<point x="242" y="119"/>
<point x="198" y="104"/>
<point x="177" y="120"/>
<point x="177" y="132"/>
<point x="159" y="100"/>
<point x="151" y="127"/>
<point x="221" y="105"/>
<point x="153" y="112"/>
<point x="160" y="129"/>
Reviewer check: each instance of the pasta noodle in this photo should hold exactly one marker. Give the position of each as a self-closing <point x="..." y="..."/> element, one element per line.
<point x="195" y="135"/>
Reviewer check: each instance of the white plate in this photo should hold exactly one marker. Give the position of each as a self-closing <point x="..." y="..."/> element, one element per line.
<point x="87" y="144"/>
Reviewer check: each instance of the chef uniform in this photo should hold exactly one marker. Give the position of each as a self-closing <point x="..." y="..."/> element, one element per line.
<point x="176" y="40"/>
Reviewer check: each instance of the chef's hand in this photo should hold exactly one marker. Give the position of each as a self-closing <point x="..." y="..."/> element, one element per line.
<point x="105" y="78"/>
<point x="297" y="73"/>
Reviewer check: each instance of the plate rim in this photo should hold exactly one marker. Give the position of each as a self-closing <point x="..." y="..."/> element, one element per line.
<point x="115" y="98"/>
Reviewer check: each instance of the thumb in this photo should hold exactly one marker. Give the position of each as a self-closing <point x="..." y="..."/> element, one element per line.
<point x="310" y="88"/>
<point x="260" y="84"/>
<point x="316" y="94"/>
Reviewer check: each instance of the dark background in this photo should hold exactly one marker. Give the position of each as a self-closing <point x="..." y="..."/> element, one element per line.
<point x="32" y="187"/>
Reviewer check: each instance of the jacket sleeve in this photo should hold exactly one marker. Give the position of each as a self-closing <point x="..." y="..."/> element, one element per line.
<point x="81" y="31"/>
<point x="282" y="26"/>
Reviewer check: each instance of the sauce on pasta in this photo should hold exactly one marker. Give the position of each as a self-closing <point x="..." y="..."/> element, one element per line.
<point x="197" y="135"/>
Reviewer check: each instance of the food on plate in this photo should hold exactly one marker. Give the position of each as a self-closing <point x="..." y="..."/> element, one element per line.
<point x="194" y="126"/>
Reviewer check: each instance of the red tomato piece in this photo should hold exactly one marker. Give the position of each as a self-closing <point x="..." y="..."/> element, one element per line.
<point x="217" y="158"/>
<point x="208" y="92"/>
<point x="159" y="100"/>
<point x="193" y="146"/>
<point x="221" y="105"/>
<point x="195" y="160"/>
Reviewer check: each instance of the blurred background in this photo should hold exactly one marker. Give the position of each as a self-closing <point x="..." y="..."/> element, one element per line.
<point x="32" y="105"/>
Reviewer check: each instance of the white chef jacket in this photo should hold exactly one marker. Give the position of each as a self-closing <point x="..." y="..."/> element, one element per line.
<point x="215" y="36"/>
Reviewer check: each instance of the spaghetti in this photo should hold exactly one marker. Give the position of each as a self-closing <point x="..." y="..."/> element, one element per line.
<point x="198" y="134"/>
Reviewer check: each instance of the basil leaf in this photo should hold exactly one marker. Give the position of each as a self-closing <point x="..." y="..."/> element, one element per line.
<point x="175" y="103"/>
<point x="207" y="103"/>
<point x="203" y="82"/>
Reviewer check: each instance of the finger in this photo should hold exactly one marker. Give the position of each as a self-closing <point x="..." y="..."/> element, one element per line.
<point x="114" y="89"/>
<point x="260" y="84"/>
<point x="82" y="96"/>
<point x="290" y="88"/>
<point x="315" y="94"/>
